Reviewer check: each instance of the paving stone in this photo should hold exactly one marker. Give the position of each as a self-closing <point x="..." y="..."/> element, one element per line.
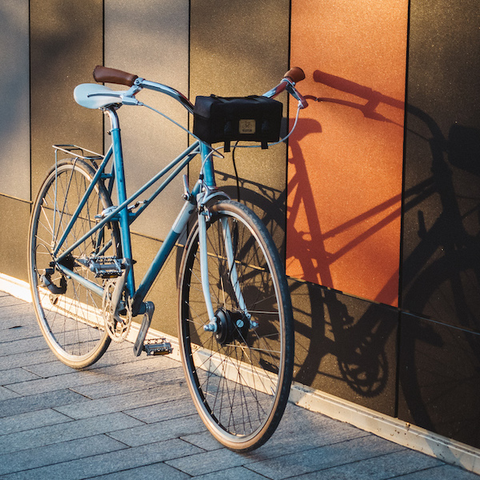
<point x="149" y="472"/>
<point x="305" y="461"/>
<point x="203" y="440"/>
<point x="382" y="467"/>
<point x="132" y="381"/>
<point x="51" y="368"/>
<point x="112" y="365"/>
<point x="155" y="432"/>
<point x="91" y="383"/>
<point x="108" y="463"/>
<point x="16" y="375"/>
<point x="31" y="420"/>
<point x="70" y="378"/>
<point x="60" y="452"/>
<point x="41" y="401"/>
<point x="165" y="411"/>
<point x="22" y="346"/>
<point x="7" y="300"/>
<point x="209" y="462"/>
<point x="64" y="432"/>
<point x="43" y="355"/>
<point x="236" y="473"/>
<point x="444" y="472"/>
<point x="18" y="314"/>
<point x="302" y="430"/>
<point x="121" y="402"/>
<point x="16" y="331"/>
<point x="6" y="393"/>
<point x="115" y="356"/>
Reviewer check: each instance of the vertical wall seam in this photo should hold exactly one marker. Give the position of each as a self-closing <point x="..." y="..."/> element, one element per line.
<point x="30" y="105"/>
<point x="189" y="84"/>
<point x="289" y="56"/>
<point x="402" y="221"/>
<point x="103" y="63"/>
<point x="189" y="50"/>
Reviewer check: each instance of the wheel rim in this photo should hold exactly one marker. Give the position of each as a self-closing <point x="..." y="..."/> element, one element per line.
<point x="237" y="376"/>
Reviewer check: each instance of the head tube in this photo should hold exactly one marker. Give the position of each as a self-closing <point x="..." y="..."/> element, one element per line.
<point x="207" y="165"/>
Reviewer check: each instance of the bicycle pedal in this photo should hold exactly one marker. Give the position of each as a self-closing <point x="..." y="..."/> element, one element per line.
<point x="157" y="346"/>
<point x="104" y="267"/>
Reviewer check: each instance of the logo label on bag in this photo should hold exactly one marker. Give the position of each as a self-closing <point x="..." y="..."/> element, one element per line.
<point x="246" y="126"/>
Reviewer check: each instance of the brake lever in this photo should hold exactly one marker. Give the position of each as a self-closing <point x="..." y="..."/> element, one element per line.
<point x="296" y="94"/>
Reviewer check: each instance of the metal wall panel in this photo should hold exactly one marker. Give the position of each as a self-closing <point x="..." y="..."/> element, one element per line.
<point x="66" y="44"/>
<point x="241" y="48"/>
<point x="439" y="343"/>
<point x="345" y="346"/>
<point x="150" y="38"/>
<point x="14" y="220"/>
<point x="442" y="188"/>
<point x="14" y="113"/>
<point x="440" y="379"/>
<point x="345" y="171"/>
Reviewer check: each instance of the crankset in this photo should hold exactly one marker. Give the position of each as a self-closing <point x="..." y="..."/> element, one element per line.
<point x="117" y="313"/>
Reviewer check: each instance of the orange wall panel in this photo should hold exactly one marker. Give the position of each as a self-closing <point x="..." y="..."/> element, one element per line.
<point x="346" y="156"/>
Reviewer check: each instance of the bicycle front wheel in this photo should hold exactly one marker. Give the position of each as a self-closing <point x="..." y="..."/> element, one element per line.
<point x="69" y="314"/>
<point x="239" y="376"/>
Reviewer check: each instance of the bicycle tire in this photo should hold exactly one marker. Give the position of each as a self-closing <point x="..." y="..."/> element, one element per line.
<point x="69" y="315"/>
<point x="239" y="378"/>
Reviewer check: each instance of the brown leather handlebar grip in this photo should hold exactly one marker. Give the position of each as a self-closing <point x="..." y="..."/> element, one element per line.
<point x="295" y="74"/>
<point x="112" y="75"/>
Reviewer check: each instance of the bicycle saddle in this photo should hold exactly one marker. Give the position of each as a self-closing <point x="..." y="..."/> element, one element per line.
<point x="92" y="95"/>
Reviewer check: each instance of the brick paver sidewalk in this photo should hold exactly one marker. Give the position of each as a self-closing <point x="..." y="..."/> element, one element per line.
<point x="132" y="418"/>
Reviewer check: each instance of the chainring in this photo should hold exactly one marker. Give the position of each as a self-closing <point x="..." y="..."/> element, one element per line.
<point x="118" y="326"/>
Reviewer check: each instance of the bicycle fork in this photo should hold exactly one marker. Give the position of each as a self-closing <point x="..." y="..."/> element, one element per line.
<point x="212" y="326"/>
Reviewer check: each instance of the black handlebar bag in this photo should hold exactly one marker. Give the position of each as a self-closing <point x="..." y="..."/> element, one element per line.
<point x="231" y="119"/>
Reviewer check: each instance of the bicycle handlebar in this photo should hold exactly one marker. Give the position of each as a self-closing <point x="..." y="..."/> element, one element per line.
<point x="103" y="74"/>
<point x="293" y="76"/>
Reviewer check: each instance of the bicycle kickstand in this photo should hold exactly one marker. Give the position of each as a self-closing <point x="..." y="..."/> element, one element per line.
<point x="156" y="346"/>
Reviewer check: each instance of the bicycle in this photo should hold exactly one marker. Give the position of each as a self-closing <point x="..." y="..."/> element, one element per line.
<point x="235" y="324"/>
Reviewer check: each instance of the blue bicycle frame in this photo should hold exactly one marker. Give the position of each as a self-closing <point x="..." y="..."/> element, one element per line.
<point x="204" y="190"/>
<point x="125" y="216"/>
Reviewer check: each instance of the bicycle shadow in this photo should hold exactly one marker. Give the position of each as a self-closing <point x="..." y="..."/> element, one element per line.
<point x="441" y="249"/>
<point x="349" y="345"/>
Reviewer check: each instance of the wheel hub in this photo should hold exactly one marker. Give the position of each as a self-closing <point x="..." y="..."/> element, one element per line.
<point x="231" y="326"/>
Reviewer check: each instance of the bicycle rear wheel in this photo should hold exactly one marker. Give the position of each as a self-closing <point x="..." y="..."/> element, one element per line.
<point x="239" y="376"/>
<point x="69" y="314"/>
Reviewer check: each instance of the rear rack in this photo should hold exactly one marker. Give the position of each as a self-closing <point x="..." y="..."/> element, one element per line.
<point x="77" y="152"/>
